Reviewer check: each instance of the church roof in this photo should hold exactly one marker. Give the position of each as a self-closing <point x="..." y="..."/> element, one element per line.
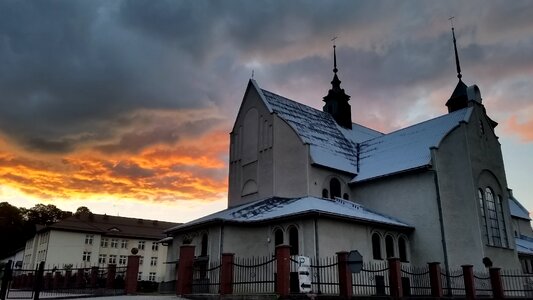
<point x="524" y="245"/>
<point x="277" y="208"/>
<point x="379" y="154"/>
<point x="517" y="210"/>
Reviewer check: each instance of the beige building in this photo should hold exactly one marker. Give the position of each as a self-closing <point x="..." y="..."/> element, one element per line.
<point x="90" y="240"/>
<point x="434" y="191"/>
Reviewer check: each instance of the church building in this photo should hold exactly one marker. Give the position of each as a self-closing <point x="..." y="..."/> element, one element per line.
<point x="313" y="179"/>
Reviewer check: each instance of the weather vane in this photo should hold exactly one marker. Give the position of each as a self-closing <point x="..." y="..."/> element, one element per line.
<point x="333" y="39"/>
<point x="451" y="20"/>
<point x="252" y="73"/>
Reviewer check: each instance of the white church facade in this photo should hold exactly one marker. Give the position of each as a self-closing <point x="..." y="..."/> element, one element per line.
<point x="312" y="179"/>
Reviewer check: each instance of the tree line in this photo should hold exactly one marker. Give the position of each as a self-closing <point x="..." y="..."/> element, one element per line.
<point x="18" y="224"/>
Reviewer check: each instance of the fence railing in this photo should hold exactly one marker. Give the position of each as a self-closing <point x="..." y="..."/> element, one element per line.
<point x="254" y="275"/>
<point x="415" y="280"/>
<point x="453" y="283"/>
<point x="373" y="280"/>
<point x="206" y="277"/>
<point x="517" y="284"/>
<point x="325" y="275"/>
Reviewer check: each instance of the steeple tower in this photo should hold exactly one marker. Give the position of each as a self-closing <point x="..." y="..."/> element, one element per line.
<point x="459" y="97"/>
<point x="337" y="100"/>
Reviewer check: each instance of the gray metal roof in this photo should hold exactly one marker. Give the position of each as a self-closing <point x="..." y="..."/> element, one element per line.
<point x="517" y="210"/>
<point x="275" y="208"/>
<point x="379" y="154"/>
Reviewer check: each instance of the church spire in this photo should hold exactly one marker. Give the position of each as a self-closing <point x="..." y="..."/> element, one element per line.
<point x="336" y="99"/>
<point x="459" y="98"/>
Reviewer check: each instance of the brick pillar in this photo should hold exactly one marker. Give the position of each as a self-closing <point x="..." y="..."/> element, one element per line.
<point x="186" y="260"/>
<point x="283" y="263"/>
<point x="68" y="275"/>
<point x="226" y="274"/>
<point x="94" y="277"/>
<point x="80" y="279"/>
<point x="470" y="288"/>
<point x="496" y="282"/>
<point x="435" y="279"/>
<point x="132" y="274"/>
<point x="395" y="278"/>
<point x="111" y="273"/>
<point x="345" y="276"/>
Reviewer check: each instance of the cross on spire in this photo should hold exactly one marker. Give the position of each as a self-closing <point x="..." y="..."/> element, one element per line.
<point x="457" y="65"/>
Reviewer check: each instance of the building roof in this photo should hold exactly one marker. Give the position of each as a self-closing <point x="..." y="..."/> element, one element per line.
<point x="276" y="208"/>
<point x="112" y="226"/>
<point x="361" y="151"/>
<point x="517" y="210"/>
<point x="524" y="245"/>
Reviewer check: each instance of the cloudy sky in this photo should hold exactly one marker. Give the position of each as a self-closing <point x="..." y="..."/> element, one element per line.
<point x="126" y="106"/>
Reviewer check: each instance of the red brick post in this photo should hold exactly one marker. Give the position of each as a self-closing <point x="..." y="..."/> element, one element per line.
<point x="470" y="288"/>
<point x="111" y="273"/>
<point x="80" y="278"/>
<point x="435" y="279"/>
<point x="94" y="276"/>
<point x="186" y="260"/>
<point x="395" y="278"/>
<point x="226" y="274"/>
<point x="345" y="276"/>
<point x="283" y="264"/>
<point x="131" y="274"/>
<point x="496" y="282"/>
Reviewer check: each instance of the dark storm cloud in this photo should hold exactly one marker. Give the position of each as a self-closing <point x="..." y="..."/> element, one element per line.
<point x="72" y="71"/>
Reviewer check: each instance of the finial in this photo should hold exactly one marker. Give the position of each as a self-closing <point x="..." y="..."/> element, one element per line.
<point x="457" y="65"/>
<point x="252" y="73"/>
<point x="334" y="55"/>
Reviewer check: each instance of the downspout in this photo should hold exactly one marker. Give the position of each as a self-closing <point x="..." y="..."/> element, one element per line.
<point x="221" y="242"/>
<point x="441" y="220"/>
<point x="317" y="252"/>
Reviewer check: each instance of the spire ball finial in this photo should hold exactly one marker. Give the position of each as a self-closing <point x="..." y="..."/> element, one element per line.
<point x="457" y="64"/>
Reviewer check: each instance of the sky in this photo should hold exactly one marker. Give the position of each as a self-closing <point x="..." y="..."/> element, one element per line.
<point x="126" y="106"/>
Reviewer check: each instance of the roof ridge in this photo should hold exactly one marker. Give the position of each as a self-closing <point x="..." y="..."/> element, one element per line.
<point x="296" y="102"/>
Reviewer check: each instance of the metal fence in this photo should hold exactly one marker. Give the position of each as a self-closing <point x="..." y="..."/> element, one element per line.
<point x="415" y="280"/>
<point x="453" y="283"/>
<point x="373" y="280"/>
<point x="517" y="284"/>
<point x="254" y="275"/>
<point x="206" y="277"/>
<point x="325" y="274"/>
<point x="482" y="283"/>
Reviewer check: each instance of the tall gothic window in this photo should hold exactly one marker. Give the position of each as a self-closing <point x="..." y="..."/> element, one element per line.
<point x="389" y="246"/>
<point x="505" y="240"/>
<point x="278" y="237"/>
<point x="484" y="229"/>
<point x="293" y="240"/>
<point x="204" y="245"/>
<point x="402" y="249"/>
<point x="493" y="218"/>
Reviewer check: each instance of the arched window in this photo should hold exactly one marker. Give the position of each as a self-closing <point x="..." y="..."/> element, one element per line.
<point x="293" y="240"/>
<point x="505" y="240"/>
<point x="402" y="249"/>
<point x="335" y="188"/>
<point x="345" y="196"/>
<point x="278" y="237"/>
<point x="204" y="245"/>
<point x="389" y="246"/>
<point x="493" y="218"/>
<point x="484" y="229"/>
<point x="325" y="193"/>
<point x="376" y="246"/>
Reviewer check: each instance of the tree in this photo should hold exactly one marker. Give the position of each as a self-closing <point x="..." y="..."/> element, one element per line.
<point x="83" y="210"/>
<point x="45" y="214"/>
<point x="13" y="229"/>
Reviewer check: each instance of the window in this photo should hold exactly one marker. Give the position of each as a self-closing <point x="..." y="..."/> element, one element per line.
<point x="484" y="230"/>
<point x="112" y="259"/>
<point x="293" y="241"/>
<point x="114" y="243"/>
<point x="102" y="258"/>
<point x="389" y="246"/>
<point x="140" y="276"/>
<point x="141" y="245"/>
<point x="325" y="193"/>
<point x="124" y="244"/>
<point x="278" y="237"/>
<point x="155" y="246"/>
<point x="153" y="261"/>
<point x="505" y="240"/>
<point x="204" y="245"/>
<point x="493" y="218"/>
<point x="122" y="260"/>
<point x="141" y="260"/>
<point x="86" y="256"/>
<point x="89" y="239"/>
<point x="151" y="276"/>
<point x="402" y="249"/>
<point x="376" y="246"/>
<point x="104" y="243"/>
<point x="335" y="188"/>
